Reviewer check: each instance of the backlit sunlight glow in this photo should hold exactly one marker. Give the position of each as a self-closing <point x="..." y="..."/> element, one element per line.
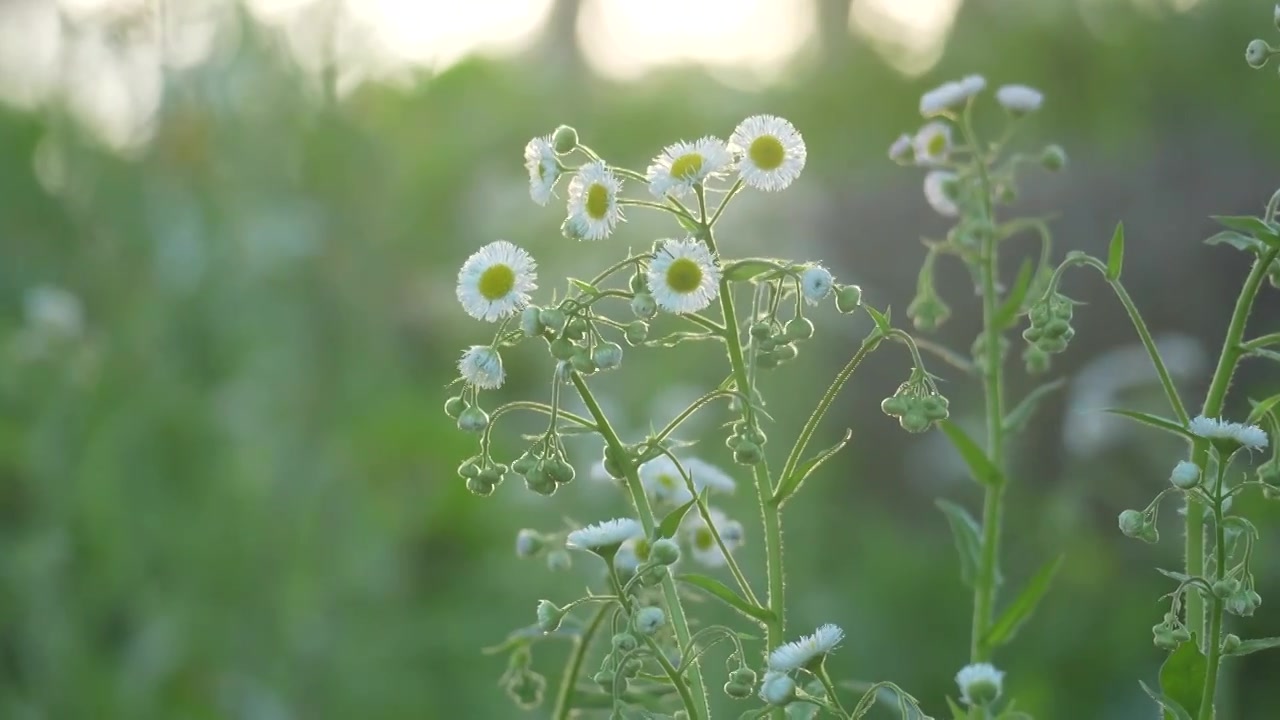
<point x="623" y="40"/>
<point x="908" y="34"/>
<point x="438" y="33"/>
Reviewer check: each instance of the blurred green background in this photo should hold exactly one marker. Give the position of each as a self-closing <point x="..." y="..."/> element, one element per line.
<point x="229" y="234"/>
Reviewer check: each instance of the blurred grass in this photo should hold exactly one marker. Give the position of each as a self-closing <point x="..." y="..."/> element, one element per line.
<point x="235" y="497"/>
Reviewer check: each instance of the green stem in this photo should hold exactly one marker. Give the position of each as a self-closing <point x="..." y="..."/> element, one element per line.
<point x="1214" y="640"/>
<point x="771" y="515"/>
<point x="830" y="687"/>
<point x="984" y="593"/>
<point x="564" y="697"/>
<point x="645" y="513"/>
<point x="1213" y="402"/>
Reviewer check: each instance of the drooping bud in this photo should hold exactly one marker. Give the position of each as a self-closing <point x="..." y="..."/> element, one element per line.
<point x="564" y="139"/>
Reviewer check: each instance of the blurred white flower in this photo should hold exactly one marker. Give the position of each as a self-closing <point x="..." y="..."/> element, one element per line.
<point x="937" y="192"/>
<point x="1019" y="99"/>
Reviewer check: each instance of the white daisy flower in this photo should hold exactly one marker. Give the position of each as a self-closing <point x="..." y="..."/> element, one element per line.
<point x="937" y="194"/>
<point x="685" y="164"/>
<point x="816" y="284"/>
<point x="807" y="650"/>
<point x="544" y="171"/>
<point x="481" y="366"/>
<point x="900" y="150"/>
<point x="683" y="276"/>
<point x="662" y="480"/>
<point x="980" y="683"/>
<point x="496" y="280"/>
<point x="772" y="150"/>
<point x="630" y="555"/>
<point x="1250" y="436"/>
<point x="932" y="143"/>
<point x="593" y="201"/>
<point x="1019" y="99"/>
<point x="702" y="544"/>
<point x="950" y="94"/>
<point x="607" y="534"/>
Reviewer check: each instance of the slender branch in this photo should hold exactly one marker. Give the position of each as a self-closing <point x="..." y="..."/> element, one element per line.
<point x="569" y="680"/>
<point x="1214" y="640"/>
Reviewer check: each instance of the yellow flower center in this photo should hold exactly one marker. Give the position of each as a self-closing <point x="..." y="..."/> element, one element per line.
<point x="496" y="282"/>
<point x="642" y="550"/>
<point x="597" y="201"/>
<point x="686" y="167"/>
<point x="937" y="144"/>
<point x="684" y="276"/>
<point x="767" y="153"/>
<point x="667" y="481"/>
<point x="703" y="539"/>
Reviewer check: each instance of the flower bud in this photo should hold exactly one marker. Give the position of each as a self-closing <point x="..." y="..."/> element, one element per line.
<point x="1230" y="643"/>
<point x="737" y="691"/>
<point x="558" y="471"/>
<point x="470" y="467"/>
<point x="777" y="689"/>
<point x="748" y="453"/>
<point x="637" y="332"/>
<point x="524" y="464"/>
<point x="848" y="298"/>
<point x="562" y="349"/>
<point x="1226" y="587"/>
<point x="539" y="481"/>
<point x="1162" y="636"/>
<point x="799" y="328"/>
<point x="785" y="352"/>
<point x="766" y="360"/>
<point x="531" y="321"/>
<point x="576" y="329"/>
<point x="647" y="620"/>
<point x="1149" y="534"/>
<point x="564" y="139"/>
<point x="928" y="312"/>
<point x="664" y="552"/>
<point x="550" y="616"/>
<point x="980" y="684"/>
<point x="582" y="362"/>
<point x="529" y="543"/>
<point x="743" y="676"/>
<point x="1035" y="360"/>
<point x="559" y="560"/>
<point x="454" y="406"/>
<point x="643" y="306"/>
<point x="1131" y="523"/>
<point x="1185" y="475"/>
<point x="1257" y="54"/>
<point x="473" y="419"/>
<point x="604" y="678"/>
<point x="607" y="356"/>
<point x="573" y="229"/>
<point x="480" y="486"/>
<point x="625" y="642"/>
<point x="1053" y="158"/>
<point x="761" y="330"/>
<point x="552" y="319"/>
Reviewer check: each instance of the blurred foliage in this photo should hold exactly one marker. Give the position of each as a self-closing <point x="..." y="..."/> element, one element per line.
<point x="233" y="495"/>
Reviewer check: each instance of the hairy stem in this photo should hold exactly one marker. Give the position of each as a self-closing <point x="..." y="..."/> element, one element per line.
<point x="568" y="682"/>
<point x="1214" y="640"/>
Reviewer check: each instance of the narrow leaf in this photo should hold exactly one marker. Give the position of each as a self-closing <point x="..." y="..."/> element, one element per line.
<point x="881" y="319"/>
<point x="1021" y="609"/>
<point x="1173" y="575"/>
<point x="1115" y="253"/>
<point x="966" y="533"/>
<point x="1260" y="409"/>
<point x="1250" y="225"/>
<point x="1018" y="417"/>
<point x="1236" y="240"/>
<point x="744" y="270"/>
<point x="1007" y="316"/>
<point x="671" y="523"/>
<point x="675" y="338"/>
<point x="1182" y="677"/>
<point x="720" y="591"/>
<point x="980" y="466"/>
<point x="957" y="712"/>
<point x="1170" y="706"/>
<point x="1154" y="421"/>
<point x="583" y="286"/>
<point x="1253" y="646"/>
<point x="791" y="483"/>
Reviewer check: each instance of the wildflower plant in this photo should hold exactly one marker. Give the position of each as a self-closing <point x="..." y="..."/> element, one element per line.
<point x="673" y="543"/>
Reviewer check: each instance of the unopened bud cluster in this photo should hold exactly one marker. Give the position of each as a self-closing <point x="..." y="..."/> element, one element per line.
<point x="1050" y="318"/>
<point x="916" y="405"/>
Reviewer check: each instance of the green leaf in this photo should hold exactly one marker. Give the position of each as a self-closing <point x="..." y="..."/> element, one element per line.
<point x="881" y="319"/>
<point x="1257" y="645"/>
<point x="1018" y="417"/>
<point x="1250" y="225"/>
<point x="980" y="466"/>
<point x="744" y="270"/>
<point x="1260" y="409"/>
<point x="675" y="338"/>
<point x="1170" y="706"/>
<point x="585" y="287"/>
<point x="1182" y="677"/>
<point x="957" y="712"/>
<point x="1007" y="315"/>
<point x="1246" y="243"/>
<point x="1021" y="609"/>
<point x="1154" y="421"/>
<point x="671" y="523"/>
<point x="966" y="532"/>
<point x="720" y="591"/>
<point x="1115" y="253"/>
<point x="791" y="483"/>
<point x="1174" y="575"/>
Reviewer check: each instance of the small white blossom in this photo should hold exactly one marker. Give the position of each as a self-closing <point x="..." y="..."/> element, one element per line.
<point x="980" y="683"/>
<point x="900" y="150"/>
<point x="661" y="479"/>
<point x="702" y="544"/>
<point x="936" y="192"/>
<point x="777" y="689"/>
<point x="544" y="170"/>
<point x="1019" y="99"/>
<point x="610" y="533"/>
<point x="1250" y="436"/>
<point x="801" y="653"/>
<point x="685" y="164"/>
<point x="772" y="152"/>
<point x="683" y="276"/>
<point x="481" y="366"/>
<point x="496" y="280"/>
<point x="932" y="143"/>
<point x="816" y="284"/>
<point x="950" y="94"/>
<point x="593" y="201"/>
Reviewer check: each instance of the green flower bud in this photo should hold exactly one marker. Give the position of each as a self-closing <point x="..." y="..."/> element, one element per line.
<point x="934" y="407"/>
<point x="643" y="306"/>
<point x="894" y="406"/>
<point x="766" y="360"/>
<point x="1230" y="643"/>
<point x="607" y="356"/>
<point x="1149" y="534"/>
<point x="648" y="620"/>
<point x="558" y="471"/>
<point x="748" y="453"/>
<point x="454" y="406"/>
<point x="529" y="543"/>
<point x="550" y="616"/>
<point x="1162" y="636"/>
<point x="531" y="322"/>
<point x="562" y="349"/>
<point x="559" y="560"/>
<point x="1035" y="360"/>
<point x="637" y="332"/>
<point x="743" y="676"/>
<point x="785" y="352"/>
<point x="1226" y="587"/>
<point x="582" y="362"/>
<point x="625" y="642"/>
<point x="761" y="330"/>
<point x="576" y="329"/>
<point x="1257" y="53"/>
<point x="604" y="679"/>
<point x="473" y="419"/>
<point x="848" y="298"/>
<point x="928" y="312"/>
<point x="525" y="689"/>
<point x="1053" y="158"/>
<point x="914" y="421"/>
<point x="1181" y="634"/>
<point x="1006" y="193"/>
<point x="493" y="474"/>
<point x="480" y="486"/>
<point x="524" y="464"/>
<point x="1131" y="523"/>
<point x="564" y="139"/>
<point x="664" y="551"/>
<point x="737" y="691"/>
<point x="539" y="481"/>
<point x="552" y="319"/>
<point x="799" y="328"/>
<point x="470" y="467"/>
